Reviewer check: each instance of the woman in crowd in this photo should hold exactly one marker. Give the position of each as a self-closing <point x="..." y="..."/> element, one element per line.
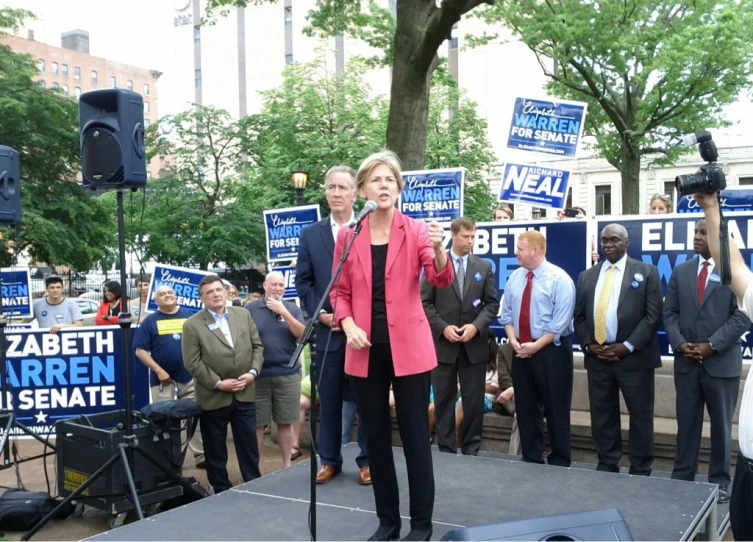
<point x="107" y="315"/>
<point x="661" y="204"/>
<point x="389" y="340"/>
<point x="232" y="296"/>
<point x="503" y="213"/>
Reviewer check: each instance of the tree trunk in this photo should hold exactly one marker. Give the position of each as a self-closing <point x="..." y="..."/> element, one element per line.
<point x="630" y="160"/>
<point x="409" y="93"/>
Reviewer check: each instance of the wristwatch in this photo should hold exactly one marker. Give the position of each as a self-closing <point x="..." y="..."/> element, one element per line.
<point x="712" y="346"/>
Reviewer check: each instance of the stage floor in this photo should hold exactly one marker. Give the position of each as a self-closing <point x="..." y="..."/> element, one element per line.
<point x="470" y="491"/>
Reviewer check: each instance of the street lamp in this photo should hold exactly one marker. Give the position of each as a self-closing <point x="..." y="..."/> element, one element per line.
<point x="299" y="177"/>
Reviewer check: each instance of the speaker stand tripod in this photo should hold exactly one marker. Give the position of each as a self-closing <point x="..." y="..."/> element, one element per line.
<point x="126" y="449"/>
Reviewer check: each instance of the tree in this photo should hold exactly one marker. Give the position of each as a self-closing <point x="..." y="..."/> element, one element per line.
<point x="410" y="42"/>
<point x="192" y="214"/>
<point x="62" y="224"/>
<point x="650" y="70"/>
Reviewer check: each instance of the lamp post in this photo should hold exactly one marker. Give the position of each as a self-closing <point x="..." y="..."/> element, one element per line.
<point x="299" y="177"/>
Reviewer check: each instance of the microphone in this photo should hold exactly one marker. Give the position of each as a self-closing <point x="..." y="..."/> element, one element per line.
<point x="369" y="208"/>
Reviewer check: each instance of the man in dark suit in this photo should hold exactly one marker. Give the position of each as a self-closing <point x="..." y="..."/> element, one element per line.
<point x="459" y="319"/>
<point x="313" y="273"/>
<point x="618" y="312"/>
<point x="704" y="327"/>
<point x="223" y="352"/>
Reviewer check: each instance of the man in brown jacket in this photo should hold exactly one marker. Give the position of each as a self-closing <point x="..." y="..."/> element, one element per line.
<point x="223" y="351"/>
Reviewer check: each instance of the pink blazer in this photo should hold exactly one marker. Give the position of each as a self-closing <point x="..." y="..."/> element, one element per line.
<point x="409" y="250"/>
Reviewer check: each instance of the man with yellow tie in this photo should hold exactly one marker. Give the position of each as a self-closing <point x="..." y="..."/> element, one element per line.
<point x="618" y="311"/>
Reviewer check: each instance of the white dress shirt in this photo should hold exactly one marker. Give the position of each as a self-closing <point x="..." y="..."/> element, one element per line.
<point x="614" y="299"/>
<point x="745" y="426"/>
<point x="701" y="259"/>
<point x="222" y="321"/>
<point x="336" y="227"/>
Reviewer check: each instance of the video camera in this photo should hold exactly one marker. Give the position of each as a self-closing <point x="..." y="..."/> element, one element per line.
<point x="710" y="177"/>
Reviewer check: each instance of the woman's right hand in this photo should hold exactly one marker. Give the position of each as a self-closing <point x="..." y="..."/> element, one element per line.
<point x="355" y="336"/>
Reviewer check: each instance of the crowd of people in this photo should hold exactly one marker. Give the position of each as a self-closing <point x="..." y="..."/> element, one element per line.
<point x="408" y="328"/>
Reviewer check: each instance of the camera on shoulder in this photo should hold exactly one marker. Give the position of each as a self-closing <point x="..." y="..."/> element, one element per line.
<point x="710" y="177"/>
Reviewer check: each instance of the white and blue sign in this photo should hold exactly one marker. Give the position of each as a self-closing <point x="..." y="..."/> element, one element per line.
<point x="185" y="283"/>
<point x="16" y="293"/>
<point x="283" y="228"/>
<point x="54" y="377"/>
<point x="534" y="185"/>
<point x="288" y="274"/>
<point x="734" y="199"/>
<point x="433" y="195"/>
<point x="666" y="241"/>
<point x="548" y="127"/>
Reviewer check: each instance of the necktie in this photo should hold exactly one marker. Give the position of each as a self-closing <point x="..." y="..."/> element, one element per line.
<point x="524" y="324"/>
<point x="702" y="276"/>
<point x="600" y="325"/>
<point x="461" y="275"/>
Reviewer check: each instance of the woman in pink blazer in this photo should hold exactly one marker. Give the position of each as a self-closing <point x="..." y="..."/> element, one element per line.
<point x="378" y="306"/>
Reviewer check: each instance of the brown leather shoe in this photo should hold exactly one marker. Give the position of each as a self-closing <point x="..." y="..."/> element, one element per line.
<point x="364" y="477"/>
<point x="325" y="474"/>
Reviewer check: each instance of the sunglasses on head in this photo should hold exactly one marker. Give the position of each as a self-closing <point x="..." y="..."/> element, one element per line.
<point x="665" y="197"/>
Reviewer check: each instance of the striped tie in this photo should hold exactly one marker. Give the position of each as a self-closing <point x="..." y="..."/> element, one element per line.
<point x="600" y="325"/>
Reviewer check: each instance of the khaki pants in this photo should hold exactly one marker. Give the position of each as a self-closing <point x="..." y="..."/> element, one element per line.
<point x="185" y="391"/>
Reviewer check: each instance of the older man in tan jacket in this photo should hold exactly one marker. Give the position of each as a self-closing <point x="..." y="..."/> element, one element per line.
<point x="223" y="351"/>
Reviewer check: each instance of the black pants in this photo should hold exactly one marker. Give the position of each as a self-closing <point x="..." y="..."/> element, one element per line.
<point x="444" y="379"/>
<point x="741" y="500"/>
<point x="242" y="420"/>
<point x="695" y="389"/>
<point x="637" y="387"/>
<point x="544" y="388"/>
<point x="412" y="405"/>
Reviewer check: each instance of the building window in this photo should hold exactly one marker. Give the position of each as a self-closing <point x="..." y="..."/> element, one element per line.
<point x="745" y="181"/>
<point x="54" y="68"/>
<point x="94" y="77"/>
<point x="454" y="37"/>
<point x="77" y="92"/>
<point x="64" y="70"/>
<point x="289" y="59"/>
<point x="42" y="84"/>
<point x="146" y="89"/>
<point x="603" y="199"/>
<point x="129" y="84"/>
<point x="55" y="85"/>
<point x="65" y="89"/>
<point x="146" y="107"/>
<point x="289" y="16"/>
<point x="197" y="34"/>
<point x="669" y="188"/>
<point x="569" y="199"/>
<point x="196" y="78"/>
<point x="147" y="124"/>
<point x="113" y="82"/>
<point x="77" y="73"/>
<point x="40" y="65"/>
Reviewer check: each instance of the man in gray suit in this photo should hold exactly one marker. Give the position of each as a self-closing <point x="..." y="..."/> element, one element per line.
<point x="459" y="319"/>
<point x="222" y="350"/>
<point x="618" y="311"/>
<point x="704" y="327"/>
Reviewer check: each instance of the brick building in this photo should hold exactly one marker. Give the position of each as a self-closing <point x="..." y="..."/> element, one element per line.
<point x="73" y="70"/>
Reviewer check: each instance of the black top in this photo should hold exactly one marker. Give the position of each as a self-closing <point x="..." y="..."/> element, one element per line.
<point x="379" y="332"/>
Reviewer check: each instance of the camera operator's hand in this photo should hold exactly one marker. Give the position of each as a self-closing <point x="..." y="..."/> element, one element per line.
<point x="706" y="201"/>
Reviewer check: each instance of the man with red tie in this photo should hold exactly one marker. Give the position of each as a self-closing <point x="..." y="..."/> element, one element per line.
<point x="537" y="313"/>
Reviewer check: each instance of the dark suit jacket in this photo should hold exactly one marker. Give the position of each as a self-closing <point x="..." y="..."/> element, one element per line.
<point x="208" y="356"/>
<point x="313" y="272"/>
<point x="479" y="306"/>
<point x="639" y="315"/>
<point x="717" y="320"/>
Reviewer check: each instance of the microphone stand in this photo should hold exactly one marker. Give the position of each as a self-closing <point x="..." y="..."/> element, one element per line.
<point x="305" y="339"/>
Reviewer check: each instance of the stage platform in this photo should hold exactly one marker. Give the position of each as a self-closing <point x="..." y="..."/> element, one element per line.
<point x="470" y="491"/>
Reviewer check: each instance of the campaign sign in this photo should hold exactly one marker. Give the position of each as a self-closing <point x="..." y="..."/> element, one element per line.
<point x="288" y="274"/>
<point x="184" y="281"/>
<point x="433" y="195"/>
<point x="16" y="292"/>
<point x="666" y="241"/>
<point x="283" y="228"/>
<point x="568" y="246"/>
<point x="735" y="199"/>
<point x="53" y="377"/>
<point x="547" y="127"/>
<point x="534" y="185"/>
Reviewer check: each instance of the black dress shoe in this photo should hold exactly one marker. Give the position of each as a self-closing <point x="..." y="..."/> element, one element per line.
<point x="419" y="534"/>
<point x="386" y="532"/>
<point x="723" y="496"/>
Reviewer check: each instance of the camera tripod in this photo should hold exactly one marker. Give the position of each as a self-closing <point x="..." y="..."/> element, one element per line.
<point x="125" y="450"/>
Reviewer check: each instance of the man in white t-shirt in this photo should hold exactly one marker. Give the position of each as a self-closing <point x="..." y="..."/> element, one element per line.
<point x="741" y="499"/>
<point x="56" y="311"/>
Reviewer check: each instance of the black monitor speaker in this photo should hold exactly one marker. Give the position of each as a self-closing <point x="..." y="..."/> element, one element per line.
<point x="10" y="187"/>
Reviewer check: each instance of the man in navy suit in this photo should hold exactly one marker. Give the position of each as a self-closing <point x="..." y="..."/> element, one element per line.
<point x="313" y="273"/>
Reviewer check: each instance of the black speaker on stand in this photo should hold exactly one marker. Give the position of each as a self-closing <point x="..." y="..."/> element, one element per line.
<point x="10" y="215"/>
<point x="111" y="126"/>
